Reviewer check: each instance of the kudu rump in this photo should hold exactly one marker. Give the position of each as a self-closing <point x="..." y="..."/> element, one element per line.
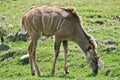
<point x="66" y="25"/>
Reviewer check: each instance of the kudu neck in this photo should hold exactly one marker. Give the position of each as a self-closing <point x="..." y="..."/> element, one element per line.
<point x="82" y="38"/>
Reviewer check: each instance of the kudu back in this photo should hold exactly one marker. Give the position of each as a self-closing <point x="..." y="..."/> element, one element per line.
<point x="66" y="25"/>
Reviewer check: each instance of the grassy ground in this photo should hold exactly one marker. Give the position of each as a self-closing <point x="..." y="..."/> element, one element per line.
<point x="98" y="20"/>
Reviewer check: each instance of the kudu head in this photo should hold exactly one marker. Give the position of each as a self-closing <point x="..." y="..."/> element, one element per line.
<point x="92" y="57"/>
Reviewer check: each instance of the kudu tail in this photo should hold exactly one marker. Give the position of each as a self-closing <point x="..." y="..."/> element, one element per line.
<point x="23" y="26"/>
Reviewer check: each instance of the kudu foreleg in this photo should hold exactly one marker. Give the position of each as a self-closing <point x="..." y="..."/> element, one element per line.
<point x="65" y="46"/>
<point x="56" y="50"/>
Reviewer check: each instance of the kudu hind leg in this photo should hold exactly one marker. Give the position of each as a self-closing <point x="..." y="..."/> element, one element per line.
<point x="35" y="60"/>
<point x="65" y="46"/>
<point x="35" y="40"/>
<point x="31" y="59"/>
<point x="32" y="53"/>
<point x="57" y="50"/>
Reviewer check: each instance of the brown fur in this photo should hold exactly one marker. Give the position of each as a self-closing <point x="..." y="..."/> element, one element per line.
<point x="65" y="24"/>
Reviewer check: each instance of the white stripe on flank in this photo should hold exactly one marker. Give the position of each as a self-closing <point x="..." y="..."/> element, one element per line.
<point x="33" y="20"/>
<point x="62" y="23"/>
<point x="48" y="21"/>
<point x="56" y="22"/>
<point x="51" y="19"/>
<point x="59" y="23"/>
<point x="42" y="17"/>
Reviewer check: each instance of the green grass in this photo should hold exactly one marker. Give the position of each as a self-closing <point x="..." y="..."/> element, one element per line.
<point x="90" y="10"/>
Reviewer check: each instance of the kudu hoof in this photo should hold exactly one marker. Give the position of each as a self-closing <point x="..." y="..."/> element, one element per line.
<point x="67" y="72"/>
<point x="39" y="73"/>
<point x="52" y="73"/>
<point x="33" y="74"/>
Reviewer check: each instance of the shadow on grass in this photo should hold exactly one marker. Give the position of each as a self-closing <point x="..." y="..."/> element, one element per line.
<point x="91" y="75"/>
<point x="65" y="76"/>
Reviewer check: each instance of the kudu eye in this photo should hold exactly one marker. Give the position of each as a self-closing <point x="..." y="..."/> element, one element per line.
<point x="89" y="47"/>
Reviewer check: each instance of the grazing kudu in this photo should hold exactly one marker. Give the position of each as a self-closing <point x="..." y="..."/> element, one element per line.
<point x="66" y="25"/>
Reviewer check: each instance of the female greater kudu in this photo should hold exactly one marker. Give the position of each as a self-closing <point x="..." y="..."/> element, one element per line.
<point x="66" y="25"/>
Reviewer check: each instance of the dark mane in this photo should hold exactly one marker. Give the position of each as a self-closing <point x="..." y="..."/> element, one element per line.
<point x="92" y="41"/>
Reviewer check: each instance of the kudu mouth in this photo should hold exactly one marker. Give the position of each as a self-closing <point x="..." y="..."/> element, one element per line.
<point x="95" y="71"/>
<point x="93" y="59"/>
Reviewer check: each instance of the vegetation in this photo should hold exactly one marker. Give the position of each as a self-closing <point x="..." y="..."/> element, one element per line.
<point x="101" y="18"/>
